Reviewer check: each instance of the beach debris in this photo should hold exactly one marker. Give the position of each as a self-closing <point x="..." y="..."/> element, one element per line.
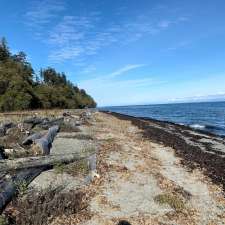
<point x="4" y="127"/>
<point x="2" y="153"/>
<point x="28" y="168"/>
<point x="30" y="139"/>
<point x="49" y="123"/>
<point x="43" y="144"/>
<point x="44" y="123"/>
<point x="41" y="161"/>
<point x="9" y="185"/>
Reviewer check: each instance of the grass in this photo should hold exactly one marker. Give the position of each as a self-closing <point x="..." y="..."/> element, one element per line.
<point x="74" y="169"/>
<point x="174" y="201"/>
<point x="21" y="188"/>
<point x="3" y="220"/>
<point x="40" y="208"/>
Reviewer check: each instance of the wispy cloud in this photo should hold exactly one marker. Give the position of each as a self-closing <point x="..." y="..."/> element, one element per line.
<point x="66" y="53"/>
<point x="200" y="97"/>
<point x="110" y="88"/>
<point x="88" y="69"/>
<point x="42" y="12"/>
<point x="164" y="24"/>
<point x="179" y="45"/>
<point x="81" y="36"/>
<point x="70" y="29"/>
<point x="124" y="70"/>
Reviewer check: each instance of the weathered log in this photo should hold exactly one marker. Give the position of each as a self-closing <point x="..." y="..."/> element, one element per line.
<point x="50" y="160"/>
<point x="49" y="123"/>
<point x="4" y="127"/>
<point x="9" y="186"/>
<point x="30" y="139"/>
<point x="44" y="123"/>
<point x="42" y="140"/>
<point x="45" y="142"/>
<point x="35" y="120"/>
<point x="29" y="168"/>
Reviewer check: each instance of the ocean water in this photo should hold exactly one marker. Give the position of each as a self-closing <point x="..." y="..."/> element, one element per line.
<point x="207" y="116"/>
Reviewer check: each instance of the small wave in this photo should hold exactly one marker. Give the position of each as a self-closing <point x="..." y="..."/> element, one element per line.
<point x="197" y="126"/>
<point x="210" y="128"/>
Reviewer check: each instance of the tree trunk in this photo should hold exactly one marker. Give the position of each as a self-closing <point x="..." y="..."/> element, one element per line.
<point x="35" y="162"/>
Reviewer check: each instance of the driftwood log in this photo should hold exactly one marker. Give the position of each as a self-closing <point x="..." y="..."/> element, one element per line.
<point x="42" y="141"/>
<point x="45" y="142"/>
<point x="4" y="127"/>
<point x="44" y="123"/>
<point x="28" y="169"/>
<point x="41" y="161"/>
<point x="30" y="139"/>
<point x="9" y="186"/>
<point x="35" y="120"/>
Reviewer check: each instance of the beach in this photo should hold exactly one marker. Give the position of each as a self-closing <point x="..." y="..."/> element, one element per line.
<point x="147" y="172"/>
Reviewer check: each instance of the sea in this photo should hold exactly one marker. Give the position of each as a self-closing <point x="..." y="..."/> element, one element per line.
<point x="206" y="116"/>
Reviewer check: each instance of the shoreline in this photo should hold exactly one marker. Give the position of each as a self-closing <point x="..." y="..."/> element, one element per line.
<point x="143" y="172"/>
<point x="198" y="149"/>
<point x="187" y="127"/>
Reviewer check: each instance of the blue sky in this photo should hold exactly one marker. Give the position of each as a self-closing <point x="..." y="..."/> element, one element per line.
<point x="125" y="51"/>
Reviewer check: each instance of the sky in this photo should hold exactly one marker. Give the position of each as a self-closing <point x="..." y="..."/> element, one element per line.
<point x="124" y="52"/>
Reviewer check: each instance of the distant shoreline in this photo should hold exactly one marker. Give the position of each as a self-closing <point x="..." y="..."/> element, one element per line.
<point x="168" y="103"/>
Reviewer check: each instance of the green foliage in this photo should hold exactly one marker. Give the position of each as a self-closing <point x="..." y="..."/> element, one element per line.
<point x="3" y="220"/>
<point x="21" y="188"/>
<point x="174" y="201"/>
<point x="21" y="89"/>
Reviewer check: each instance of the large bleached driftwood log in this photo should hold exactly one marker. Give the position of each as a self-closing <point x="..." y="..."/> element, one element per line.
<point x="28" y="169"/>
<point x="42" y="140"/>
<point x="41" y="161"/>
<point x="45" y="143"/>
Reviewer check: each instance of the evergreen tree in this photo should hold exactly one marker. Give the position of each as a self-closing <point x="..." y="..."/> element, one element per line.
<point x="21" y="89"/>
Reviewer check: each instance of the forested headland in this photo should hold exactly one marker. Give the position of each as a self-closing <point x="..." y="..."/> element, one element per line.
<point x="23" y="89"/>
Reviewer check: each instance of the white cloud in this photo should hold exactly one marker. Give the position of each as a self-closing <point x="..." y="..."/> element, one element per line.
<point x="79" y="37"/>
<point x="196" y="98"/>
<point x="115" y="92"/>
<point x="164" y="23"/>
<point x="88" y="69"/>
<point x="69" y="29"/>
<point x="41" y="12"/>
<point x="124" y="70"/>
<point x="66" y="53"/>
